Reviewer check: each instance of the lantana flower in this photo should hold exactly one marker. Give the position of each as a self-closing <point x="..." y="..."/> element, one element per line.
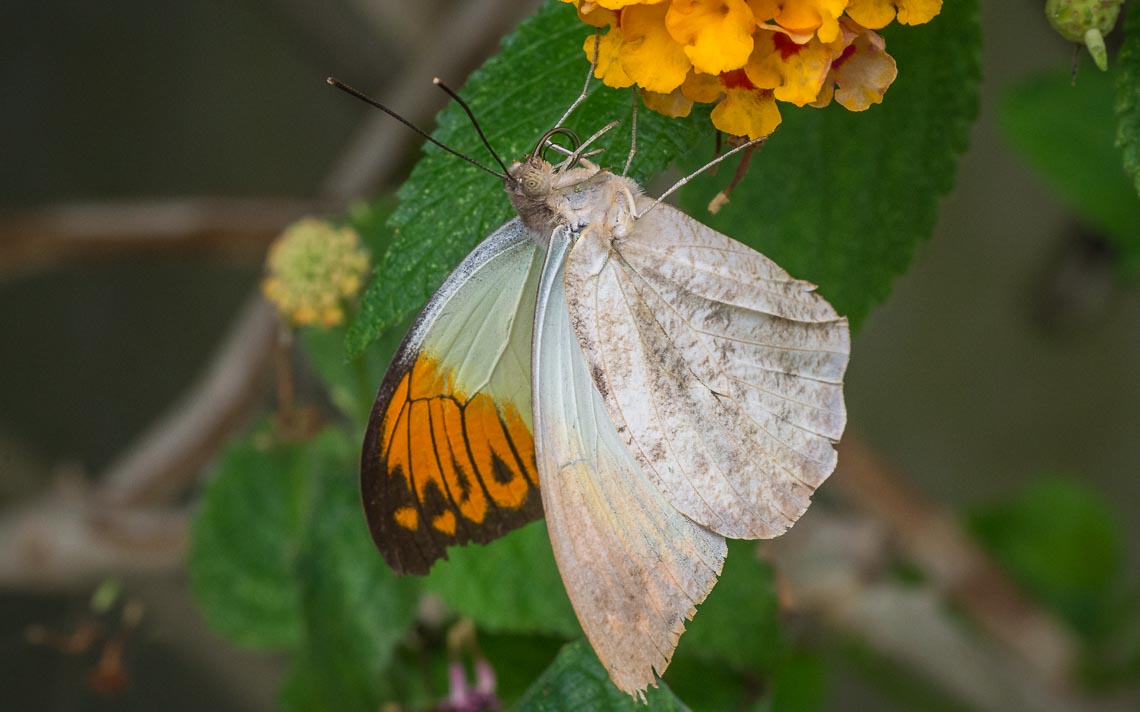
<point x="746" y="56"/>
<point x="313" y="268"/>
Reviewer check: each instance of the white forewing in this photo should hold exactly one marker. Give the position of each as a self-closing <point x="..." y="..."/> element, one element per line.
<point x="633" y="565"/>
<point x="479" y="321"/>
<point x="722" y="374"/>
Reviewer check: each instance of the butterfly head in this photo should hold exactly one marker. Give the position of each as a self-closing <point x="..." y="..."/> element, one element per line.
<point x="531" y="178"/>
<point x="530" y="185"/>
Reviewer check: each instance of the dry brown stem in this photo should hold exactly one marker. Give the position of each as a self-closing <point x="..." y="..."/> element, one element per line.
<point x="932" y="538"/>
<point x="43" y="238"/>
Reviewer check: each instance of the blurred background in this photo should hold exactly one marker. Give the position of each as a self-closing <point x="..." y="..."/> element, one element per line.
<point x="152" y="151"/>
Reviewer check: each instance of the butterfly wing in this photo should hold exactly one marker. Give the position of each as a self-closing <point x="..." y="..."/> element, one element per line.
<point x="634" y="567"/>
<point x="449" y="456"/>
<point x="722" y="373"/>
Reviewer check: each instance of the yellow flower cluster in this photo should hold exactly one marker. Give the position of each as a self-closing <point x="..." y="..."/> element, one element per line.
<point x="745" y="55"/>
<point x="313" y="267"/>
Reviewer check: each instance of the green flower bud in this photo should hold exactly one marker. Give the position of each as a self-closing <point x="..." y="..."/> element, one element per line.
<point x="1085" y="22"/>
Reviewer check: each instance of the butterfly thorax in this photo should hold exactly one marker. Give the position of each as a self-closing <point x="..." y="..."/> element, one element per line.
<point x="546" y="197"/>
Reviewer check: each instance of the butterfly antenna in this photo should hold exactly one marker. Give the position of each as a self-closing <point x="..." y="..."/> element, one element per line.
<point x="471" y="115"/>
<point x="702" y="169"/>
<point x="372" y="102"/>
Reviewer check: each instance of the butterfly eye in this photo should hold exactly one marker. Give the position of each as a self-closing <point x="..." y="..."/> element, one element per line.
<point x="534" y="182"/>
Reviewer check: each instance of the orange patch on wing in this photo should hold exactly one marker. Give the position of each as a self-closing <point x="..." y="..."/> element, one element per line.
<point x="395" y="436"/>
<point x="445" y="523"/>
<point x="489" y="442"/>
<point x="408" y="518"/>
<point x="464" y="489"/>
<point x="394" y="412"/>
<point x="465" y="448"/>
<point x="425" y="466"/>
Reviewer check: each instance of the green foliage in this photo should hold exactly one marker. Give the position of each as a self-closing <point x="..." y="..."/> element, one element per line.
<point x="709" y="685"/>
<point x="518" y="660"/>
<point x="842" y="199"/>
<point x="1067" y="133"/>
<point x="509" y="585"/>
<point x="355" y="609"/>
<point x="1128" y="95"/>
<point x="577" y="681"/>
<point x="351" y="381"/>
<point x="281" y="558"/>
<point x="799" y="685"/>
<point x="246" y="539"/>
<point x="1062" y="542"/>
<point x="737" y="622"/>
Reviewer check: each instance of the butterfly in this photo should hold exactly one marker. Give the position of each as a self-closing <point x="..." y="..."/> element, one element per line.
<point x="649" y="385"/>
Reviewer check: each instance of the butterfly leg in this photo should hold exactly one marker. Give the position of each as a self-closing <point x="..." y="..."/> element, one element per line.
<point x="632" y="133"/>
<point x="702" y="169"/>
<point x="586" y="85"/>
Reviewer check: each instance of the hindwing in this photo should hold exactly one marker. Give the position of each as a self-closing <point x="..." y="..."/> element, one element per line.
<point x="635" y="567"/>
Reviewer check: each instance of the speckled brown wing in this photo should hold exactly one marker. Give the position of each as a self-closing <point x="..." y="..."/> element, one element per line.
<point x="722" y="373"/>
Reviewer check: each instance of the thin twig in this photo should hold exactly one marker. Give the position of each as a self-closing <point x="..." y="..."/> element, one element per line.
<point x="43" y="238"/>
<point x="953" y="561"/>
<point x="166" y="459"/>
<point x="69" y="538"/>
<point x="831" y="570"/>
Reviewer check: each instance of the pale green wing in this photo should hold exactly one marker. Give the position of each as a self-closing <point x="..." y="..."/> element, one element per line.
<point x="634" y="567"/>
<point x="722" y="373"/>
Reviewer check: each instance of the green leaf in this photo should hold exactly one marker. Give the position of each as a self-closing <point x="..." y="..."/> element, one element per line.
<point x="510" y="585"/>
<point x="351" y="381"/>
<point x="245" y="539"/>
<point x="1063" y="543"/>
<point x="448" y="206"/>
<point x="518" y="660"/>
<point x="709" y="685"/>
<point x="355" y="609"/>
<point x="1128" y="95"/>
<point x="370" y="220"/>
<point x="737" y="624"/>
<point x="577" y="681"/>
<point x="799" y="685"/>
<point x="1067" y="132"/>
<point x="842" y="198"/>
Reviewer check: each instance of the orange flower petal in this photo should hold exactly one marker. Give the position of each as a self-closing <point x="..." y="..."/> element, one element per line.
<point x="674" y="104"/>
<point x="619" y="4"/>
<point x="609" y="68"/>
<point x="872" y="14"/>
<point x="650" y="56"/>
<point x="747" y="112"/>
<point x="918" y="12"/>
<point x="808" y="17"/>
<point x="716" y="34"/>
<point x="863" y="73"/>
<point x="705" y="88"/>
<point x="765" y="10"/>
<point x="795" y="72"/>
<point x="876" y="14"/>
